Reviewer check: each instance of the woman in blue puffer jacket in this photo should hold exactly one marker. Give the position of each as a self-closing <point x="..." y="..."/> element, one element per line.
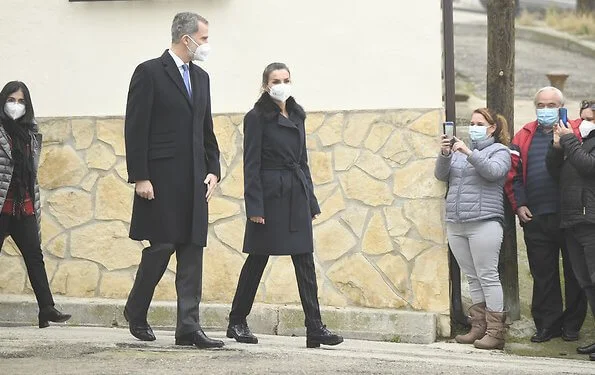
<point x="475" y="218"/>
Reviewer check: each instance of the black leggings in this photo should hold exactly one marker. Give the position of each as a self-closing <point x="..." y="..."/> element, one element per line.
<point x="25" y="235"/>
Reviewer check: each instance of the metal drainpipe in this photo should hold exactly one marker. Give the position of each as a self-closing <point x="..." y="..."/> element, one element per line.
<point x="457" y="316"/>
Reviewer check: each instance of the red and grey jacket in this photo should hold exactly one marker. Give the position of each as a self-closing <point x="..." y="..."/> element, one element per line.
<point x="516" y="181"/>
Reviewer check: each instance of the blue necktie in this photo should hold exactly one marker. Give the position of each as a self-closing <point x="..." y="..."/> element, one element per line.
<point x="187" y="80"/>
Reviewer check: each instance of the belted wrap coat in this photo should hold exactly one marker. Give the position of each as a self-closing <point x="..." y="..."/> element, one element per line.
<point x="277" y="181"/>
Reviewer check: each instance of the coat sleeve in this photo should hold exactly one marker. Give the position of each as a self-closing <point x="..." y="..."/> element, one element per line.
<point x="491" y="167"/>
<point x="137" y="125"/>
<point x="515" y="184"/>
<point x="442" y="168"/>
<point x="553" y="161"/>
<point x="210" y="141"/>
<point x="577" y="156"/>
<point x="253" y="194"/>
<point x="314" y="207"/>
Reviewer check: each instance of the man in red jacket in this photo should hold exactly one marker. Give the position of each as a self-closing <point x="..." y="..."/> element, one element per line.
<point x="534" y="196"/>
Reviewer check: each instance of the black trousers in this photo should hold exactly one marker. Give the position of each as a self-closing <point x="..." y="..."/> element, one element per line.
<point x="250" y="278"/>
<point x="545" y="240"/>
<point x="25" y="234"/>
<point x="188" y="284"/>
<point x="581" y="248"/>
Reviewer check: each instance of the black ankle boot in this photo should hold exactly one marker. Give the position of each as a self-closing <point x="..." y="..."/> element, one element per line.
<point x="321" y="335"/>
<point x="241" y="333"/>
<point x="51" y="314"/>
<point x="587" y="349"/>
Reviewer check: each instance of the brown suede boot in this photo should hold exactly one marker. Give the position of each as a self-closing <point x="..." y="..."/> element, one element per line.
<point x="494" y="338"/>
<point x="478" y="324"/>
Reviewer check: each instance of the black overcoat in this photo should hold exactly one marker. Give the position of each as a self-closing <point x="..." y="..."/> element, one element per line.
<point x="574" y="167"/>
<point x="170" y="141"/>
<point x="277" y="181"/>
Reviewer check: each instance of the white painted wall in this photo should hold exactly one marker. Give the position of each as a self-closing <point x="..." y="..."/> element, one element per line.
<point x="77" y="58"/>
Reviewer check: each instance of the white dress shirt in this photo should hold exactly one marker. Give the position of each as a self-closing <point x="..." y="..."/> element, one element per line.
<point x="180" y="64"/>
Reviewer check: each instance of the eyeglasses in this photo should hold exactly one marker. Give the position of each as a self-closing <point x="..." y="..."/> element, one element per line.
<point x="588" y="104"/>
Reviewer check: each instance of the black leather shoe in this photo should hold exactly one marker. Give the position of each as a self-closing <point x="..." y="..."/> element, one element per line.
<point x="568" y="335"/>
<point x="140" y="330"/>
<point x="545" y="334"/>
<point x="321" y="335"/>
<point x="592" y="357"/>
<point x="587" y="349"/>
<point x="198" y="339"/>
<point x="241" y="333"/>
<point x="51" y="314"/>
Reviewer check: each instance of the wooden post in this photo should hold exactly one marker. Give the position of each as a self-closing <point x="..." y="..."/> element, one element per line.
<point x="458" y="317"/>
<point x="500" y="97"/>
<point x="585" y="6"/>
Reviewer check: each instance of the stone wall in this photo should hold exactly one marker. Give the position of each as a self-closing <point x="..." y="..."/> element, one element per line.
<point x="379" y="242"/>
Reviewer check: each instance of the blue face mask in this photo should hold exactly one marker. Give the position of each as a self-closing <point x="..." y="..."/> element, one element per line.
<point x="547" y="116"/>
<point x="478" y="132"/>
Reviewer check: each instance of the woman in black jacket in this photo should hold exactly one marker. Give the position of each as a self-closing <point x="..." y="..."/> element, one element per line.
<point x="572" y="162"/>
<point x="280" y="204"/>
<point x="20" y="208"/>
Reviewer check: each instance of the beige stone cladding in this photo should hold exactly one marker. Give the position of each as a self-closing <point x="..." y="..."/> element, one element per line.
<point x="379" y="242"/>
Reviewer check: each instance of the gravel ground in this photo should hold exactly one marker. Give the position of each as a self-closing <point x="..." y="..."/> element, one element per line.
<point x="533" y="61"/>
<point x="79" y="350"/>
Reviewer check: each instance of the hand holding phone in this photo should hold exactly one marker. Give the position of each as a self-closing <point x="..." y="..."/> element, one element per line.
<point x="563" y="114"/>
<point x="448" y="128"/>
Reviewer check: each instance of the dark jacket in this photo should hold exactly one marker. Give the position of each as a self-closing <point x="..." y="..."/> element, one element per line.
<point x="170" y="141"/>
<point x="277" y="181"/>
<point x="574" y="167"/>
<point x="516" y="181"/>
<point x="7" y="165"/>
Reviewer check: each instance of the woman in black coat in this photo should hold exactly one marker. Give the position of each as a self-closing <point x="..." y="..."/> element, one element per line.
<point x="20" y="207"/>
<point x="572" y="162"/>
<point x="280" y="204"/>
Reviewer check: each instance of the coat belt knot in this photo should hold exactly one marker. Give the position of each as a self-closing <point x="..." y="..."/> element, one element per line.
<point x="296" y="168"/>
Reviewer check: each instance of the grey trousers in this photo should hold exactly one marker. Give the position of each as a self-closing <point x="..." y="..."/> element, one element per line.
<point x="188" y="283"/>
<point x="476" y="247"/>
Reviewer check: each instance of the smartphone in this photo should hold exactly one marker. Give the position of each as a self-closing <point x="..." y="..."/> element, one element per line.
<point x="563" y="114"/>
<point x="448" y="128"/>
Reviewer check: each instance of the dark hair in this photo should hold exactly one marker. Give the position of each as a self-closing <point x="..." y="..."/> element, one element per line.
<point x="10" y="88"/>
<point x="494" y="118"/>
<point x="269" y="69"/>
<point x="587" y="104"/>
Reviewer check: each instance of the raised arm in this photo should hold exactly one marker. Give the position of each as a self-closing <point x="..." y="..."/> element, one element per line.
<point x="491" y="167"/>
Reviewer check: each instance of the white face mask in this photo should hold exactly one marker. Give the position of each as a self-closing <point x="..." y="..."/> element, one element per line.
<point x="280" y="92"/>
<point x="201" y="52"/>
<point x="585" y="128"/>
<point x="14" y="110"/>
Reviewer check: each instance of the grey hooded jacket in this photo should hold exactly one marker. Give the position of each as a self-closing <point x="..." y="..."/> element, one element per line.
<point x="7" y="165"/>
<point x="476" y="182"/>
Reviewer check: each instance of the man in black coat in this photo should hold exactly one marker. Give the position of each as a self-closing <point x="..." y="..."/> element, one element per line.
<point x="173" y="159"/>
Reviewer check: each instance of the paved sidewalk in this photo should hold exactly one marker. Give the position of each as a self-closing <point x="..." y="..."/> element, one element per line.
<point x="85" y="350"/>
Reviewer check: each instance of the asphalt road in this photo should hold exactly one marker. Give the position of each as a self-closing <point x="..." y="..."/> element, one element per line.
<point x="533" y="61"/>
<point x="78" y="350"/>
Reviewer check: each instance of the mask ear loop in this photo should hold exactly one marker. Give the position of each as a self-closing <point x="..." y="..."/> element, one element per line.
<point x="193" y="41"/>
